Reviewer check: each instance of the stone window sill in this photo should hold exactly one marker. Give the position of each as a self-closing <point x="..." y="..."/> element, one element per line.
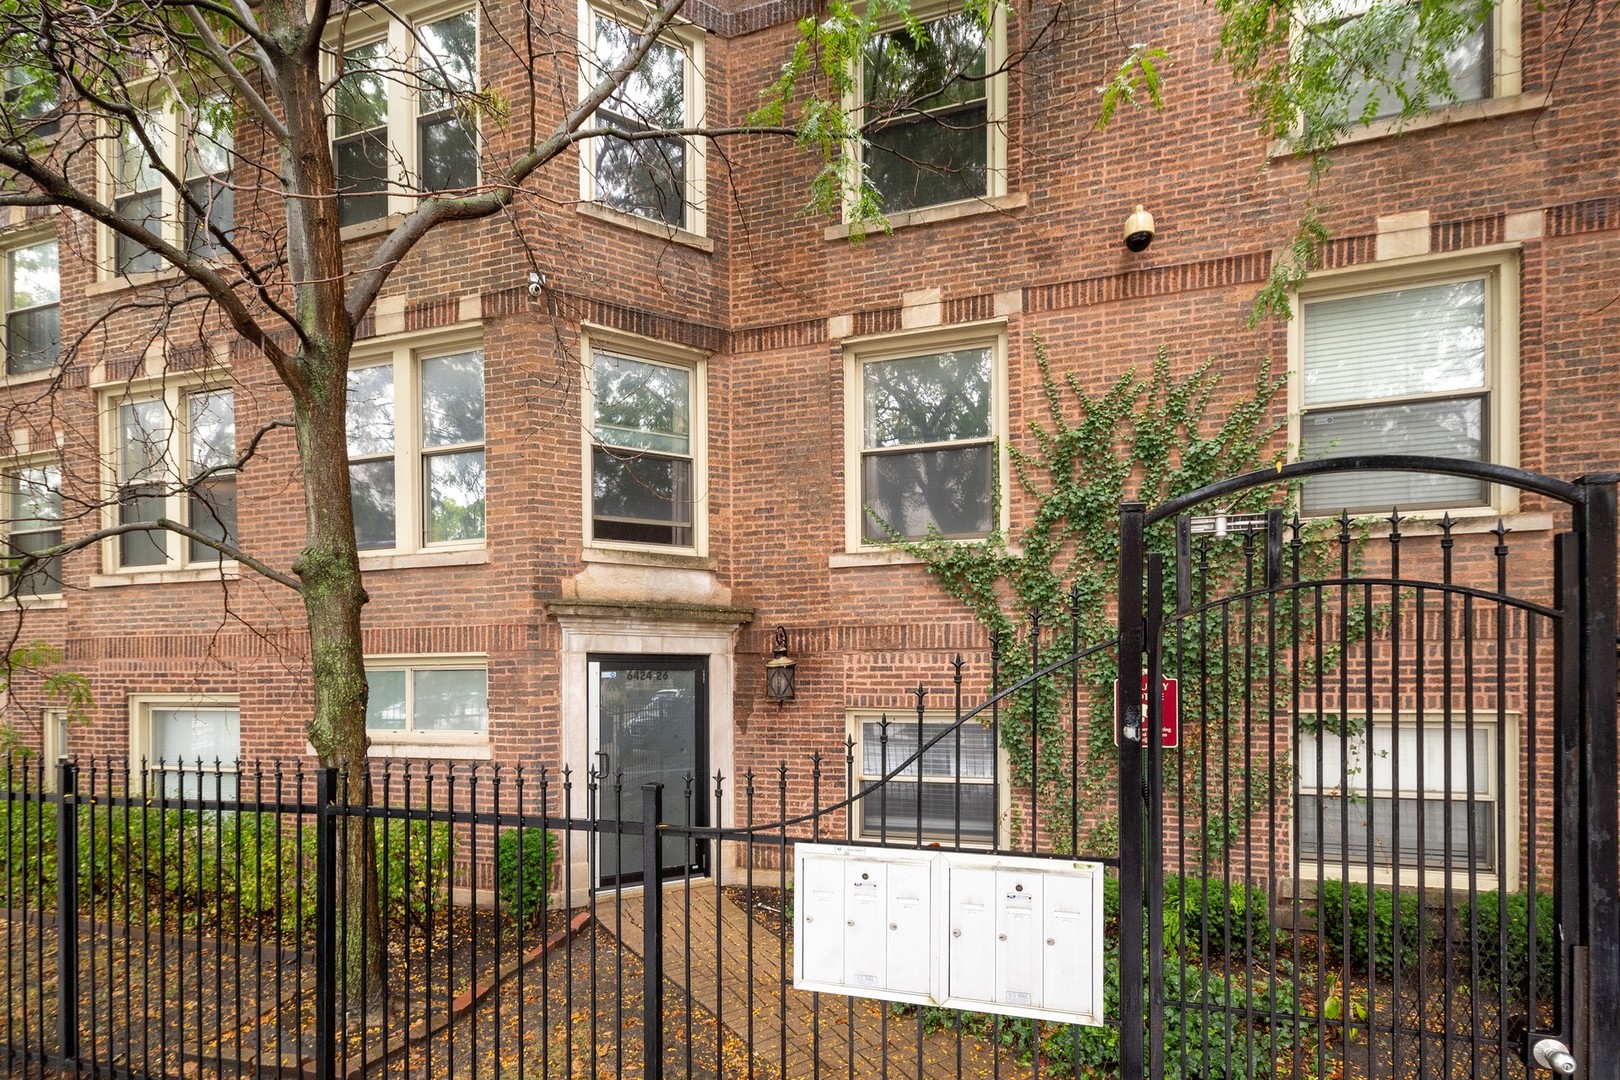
<point x="928" y="215"/>
<point x="1461" y="113"/>
<point x="419" y="559"/>
<point x="38" y="603"/>
<point x="636" y="223"/>
<point x="227" y="571"/>
<point x="639" y="557"/>
<point x="473" y="747"/>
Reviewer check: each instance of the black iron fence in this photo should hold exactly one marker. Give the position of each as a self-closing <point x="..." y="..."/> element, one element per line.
<point x="1376" y="841"/>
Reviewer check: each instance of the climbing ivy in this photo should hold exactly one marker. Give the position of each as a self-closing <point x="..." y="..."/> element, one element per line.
<point x="1049" y="593"/>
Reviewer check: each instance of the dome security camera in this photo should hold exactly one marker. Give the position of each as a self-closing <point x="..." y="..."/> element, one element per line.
<point x="1138" y="229"/>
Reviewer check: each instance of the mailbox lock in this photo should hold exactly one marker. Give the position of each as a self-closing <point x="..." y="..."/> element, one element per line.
<point x="1051" y="941"/>
<point x="1018" y="888"/>
<point x="809" y="918"/>
<point x="894" y="926"/>
<point x="849" y="922"/>
<point x="1001" y="937"/>
<point x="956" y="933"/>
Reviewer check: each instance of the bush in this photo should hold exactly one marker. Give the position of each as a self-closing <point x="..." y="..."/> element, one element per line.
<point x="413" y="865"/>
<point x="1234" y="919"/>
<point x="1336" y="898"/>
<point x="523" y="862"/>
<point x="1509" y="962"/>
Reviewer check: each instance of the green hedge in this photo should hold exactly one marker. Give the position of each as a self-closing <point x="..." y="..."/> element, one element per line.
<point x="1233" y="920"/>
<point x="1512" y="964"/>
<point x="523" y="862"/>
<point x="207" y="868"/>
<point x="1337" y="900"/>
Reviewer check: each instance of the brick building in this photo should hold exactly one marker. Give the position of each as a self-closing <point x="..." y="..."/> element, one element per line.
<point x="586" y="507"/>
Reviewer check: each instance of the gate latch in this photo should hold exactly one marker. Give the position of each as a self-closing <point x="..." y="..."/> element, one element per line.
<point x="1553" y="1055"/>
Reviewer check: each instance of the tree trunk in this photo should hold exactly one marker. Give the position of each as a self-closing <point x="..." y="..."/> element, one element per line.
<point x="329" y="569"/>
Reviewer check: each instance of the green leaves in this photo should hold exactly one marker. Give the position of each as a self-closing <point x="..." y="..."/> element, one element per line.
<point x="1140" y="74"/>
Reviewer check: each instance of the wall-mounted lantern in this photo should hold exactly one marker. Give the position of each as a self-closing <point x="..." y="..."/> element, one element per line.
<point x="779" y="670"/>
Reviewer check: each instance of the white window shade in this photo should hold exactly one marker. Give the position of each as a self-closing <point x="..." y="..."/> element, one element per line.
<point x="1427" y="340"/>
<point x="1406" y="371"/>
<point x="1423" y="762"/>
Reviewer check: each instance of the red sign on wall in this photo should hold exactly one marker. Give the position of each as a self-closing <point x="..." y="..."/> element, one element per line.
<point x="1170" y="711"/>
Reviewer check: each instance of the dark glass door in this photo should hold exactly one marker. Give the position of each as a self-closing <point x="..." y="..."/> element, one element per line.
<point x="652" y="725"/>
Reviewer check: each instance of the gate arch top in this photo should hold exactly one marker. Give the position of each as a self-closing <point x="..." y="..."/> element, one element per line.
<point x="1554" y="488"/>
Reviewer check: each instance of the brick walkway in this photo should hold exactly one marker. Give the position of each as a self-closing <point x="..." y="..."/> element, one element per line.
<point x="823" y="1035"/>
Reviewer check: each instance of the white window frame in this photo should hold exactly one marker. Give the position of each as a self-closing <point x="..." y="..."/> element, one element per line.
<point x="29" y="461"/>
<point x="855" y="728"/>
<point x="995" y="106"/>
<point x="1498" y="267"/>
<point x="54" y="741"/>
<point x="141" y="707"/>
<point x="365" y="26"/>
<point x="14" y="244"/>
<point x="404" y="355"/>
<point x="176" y="395"/>
<point x="1485" y="720"/>
<point x="632" y="347"/>
<point x="861" y="351"/>
<point x="174" y="123"/>
<point x="409" y="736"/>
<point x="689" y="40"/>
<point x="1506" y="47"/>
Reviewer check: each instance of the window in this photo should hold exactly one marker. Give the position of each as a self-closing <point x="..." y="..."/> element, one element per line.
<point x="402" y="115"/>
<point x="33" y="98"/>
<point x="924" y="421"/>
<point x="174" y="457"/>
<point x="416" y="449"/>
<point x="933" y="113"/>
<point x="190" y="744"/>
<point x="1481" y="62"/>
<point x="427" y="699"/>
<point x="1408" y="365"/>
<point x="33" y="496"/>
<point x="192" y="141"/>
<point x="1465" y="820"/>
<point x="645" y="441"/>
<point x="33" y="293"/>
<point x="656" y="178"/>
<point x="958" y="779"/>
<point x="57" y="737"/>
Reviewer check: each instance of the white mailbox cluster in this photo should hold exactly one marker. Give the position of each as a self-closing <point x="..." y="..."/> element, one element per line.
<point x="990" y="933"/>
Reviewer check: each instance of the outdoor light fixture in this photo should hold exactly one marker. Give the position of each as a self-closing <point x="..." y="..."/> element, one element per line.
<point x="779" y="670"/>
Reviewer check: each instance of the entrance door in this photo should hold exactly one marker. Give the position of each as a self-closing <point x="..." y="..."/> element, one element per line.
<point x="651" y="725"/>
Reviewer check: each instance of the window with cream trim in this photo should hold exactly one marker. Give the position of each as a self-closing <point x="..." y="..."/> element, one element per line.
<point x="192" y="142"/>
<point x="189" y="743"/>
<point x="646" y="452"/>
<point x="1416" y="359"/>
<point x="958" y="792"/>
<point x="416" y="447"/>
<point x="427" y="698"/>
<point x="171" y="455"/>
<point x="33" y="523"/>
<point x="403" y="121"/>
<point x="934" y="113"/>
<point x="32" y="295"/>
<point x="1426" y="797"/>
<point x="659" y="178"/>
<point x="924" y="423"/>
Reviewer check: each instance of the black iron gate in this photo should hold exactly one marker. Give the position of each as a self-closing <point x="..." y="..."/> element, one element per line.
<point x="1383" y="842"/>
